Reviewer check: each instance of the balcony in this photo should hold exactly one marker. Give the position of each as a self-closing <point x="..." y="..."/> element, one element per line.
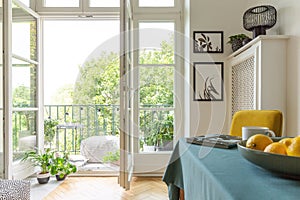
<point x="79" y="122"/>
<point x="77" y="127"/>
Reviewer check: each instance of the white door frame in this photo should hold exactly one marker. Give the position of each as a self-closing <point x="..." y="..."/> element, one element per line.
<point x="154" y="163"/>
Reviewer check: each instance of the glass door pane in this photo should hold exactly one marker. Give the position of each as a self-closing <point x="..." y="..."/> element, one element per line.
<point x="26" y="2"/>
<point x="24" y="34"/>
<point x="104" y="3"/>
<point x="156" y="43"/>
<point x="84" y="98"/>
<point x="24" y="88"/>
<point x="156" y="86"/>
<point x="156" y="3"/>
<point x="24" y="120"/>
<point x="61" y="3"/>
<point x="156" y="107"/>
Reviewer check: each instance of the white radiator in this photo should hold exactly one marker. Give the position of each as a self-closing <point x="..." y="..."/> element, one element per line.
<point x="243" y="86"/>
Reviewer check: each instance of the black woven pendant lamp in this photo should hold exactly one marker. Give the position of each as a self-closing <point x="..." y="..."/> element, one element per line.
<point x="260" y="18"/>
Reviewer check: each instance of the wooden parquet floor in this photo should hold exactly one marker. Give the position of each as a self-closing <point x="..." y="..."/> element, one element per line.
<point x="107" y="188"/>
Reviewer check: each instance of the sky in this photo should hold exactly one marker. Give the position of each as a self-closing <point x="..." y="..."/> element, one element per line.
<point x="67" y="44"/>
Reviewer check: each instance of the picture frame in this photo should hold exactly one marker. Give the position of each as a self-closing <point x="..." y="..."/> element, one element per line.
<point x="208" y="42"/>
<point x="208" y="81"/>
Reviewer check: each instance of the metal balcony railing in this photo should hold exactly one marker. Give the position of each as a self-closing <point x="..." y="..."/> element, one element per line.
<point x="78" y="122"/>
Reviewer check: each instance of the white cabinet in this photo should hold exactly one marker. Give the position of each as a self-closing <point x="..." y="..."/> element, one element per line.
<point x="257" y="75"/>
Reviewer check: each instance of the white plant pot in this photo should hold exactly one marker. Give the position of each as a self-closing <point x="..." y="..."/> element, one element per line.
<point x="43" y="178"/>
<point x="148" y="148"/>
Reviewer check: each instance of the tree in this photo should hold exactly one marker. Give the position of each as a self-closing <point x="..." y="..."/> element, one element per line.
<point x="98" y="81"/>
<point x="21" y="97"/>
<point x="23" y="120"/>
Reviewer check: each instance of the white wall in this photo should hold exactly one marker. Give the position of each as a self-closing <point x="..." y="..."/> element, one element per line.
<point x="216" y="15"/>
<point x="213" y="15"/>
<point x="288" y="23"/>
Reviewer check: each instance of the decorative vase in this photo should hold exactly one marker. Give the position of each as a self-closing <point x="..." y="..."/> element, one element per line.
<point x="43" y="178"/>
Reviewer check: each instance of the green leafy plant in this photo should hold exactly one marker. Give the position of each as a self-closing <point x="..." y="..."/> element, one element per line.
<point x="166" y="130"/>
<point x="50" y="129"/>
<point x="237" y="37"/>
<point x="111" y="157"/>
<point x="161" y="130"/>
<point x="40" y="159"/>
<point x="151" y="139"/>
<point x="61" y="166"/>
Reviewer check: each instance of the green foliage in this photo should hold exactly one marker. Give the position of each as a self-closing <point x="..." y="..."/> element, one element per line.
<point x="49" y="129"/>
<point x="159" y="131"/>
<point x="48" y="162"/>
<point x="22" y="120"/>
<point x="151" y="139"/>
<point x="98" y="82"/>
<point x="40" y="159"/>
<point x="165" y="129"/>
<point x="237" y="37"/>
<point x="111" y="157"/>
<point x="21" y="96"/>
<point x="155" y="90"/>
<point x="164" y="55"/>
<point x="61" y="166"/>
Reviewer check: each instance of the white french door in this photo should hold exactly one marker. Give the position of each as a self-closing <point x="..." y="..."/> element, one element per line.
<point x="126" y="96"/>
<point x="22" y="102"/>
<point x="158" y="101"/>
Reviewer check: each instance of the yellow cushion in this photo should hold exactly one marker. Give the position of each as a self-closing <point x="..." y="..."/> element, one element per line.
<point x="266" y="118"/>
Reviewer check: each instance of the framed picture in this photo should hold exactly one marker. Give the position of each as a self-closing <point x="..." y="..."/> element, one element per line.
<point x="208" y="81"/>
<point x="208" y="41"/>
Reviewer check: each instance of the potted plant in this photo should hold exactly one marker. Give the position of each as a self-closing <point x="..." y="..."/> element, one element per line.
<point x="165" y="134"/>
<point x="237" y="41"/>
<point x="61" y="167"/>
<point x="42" y="160"/>
<point x="150" y="141"/>
<point x="49" y="129"/>
<point x="112" y="157"/>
